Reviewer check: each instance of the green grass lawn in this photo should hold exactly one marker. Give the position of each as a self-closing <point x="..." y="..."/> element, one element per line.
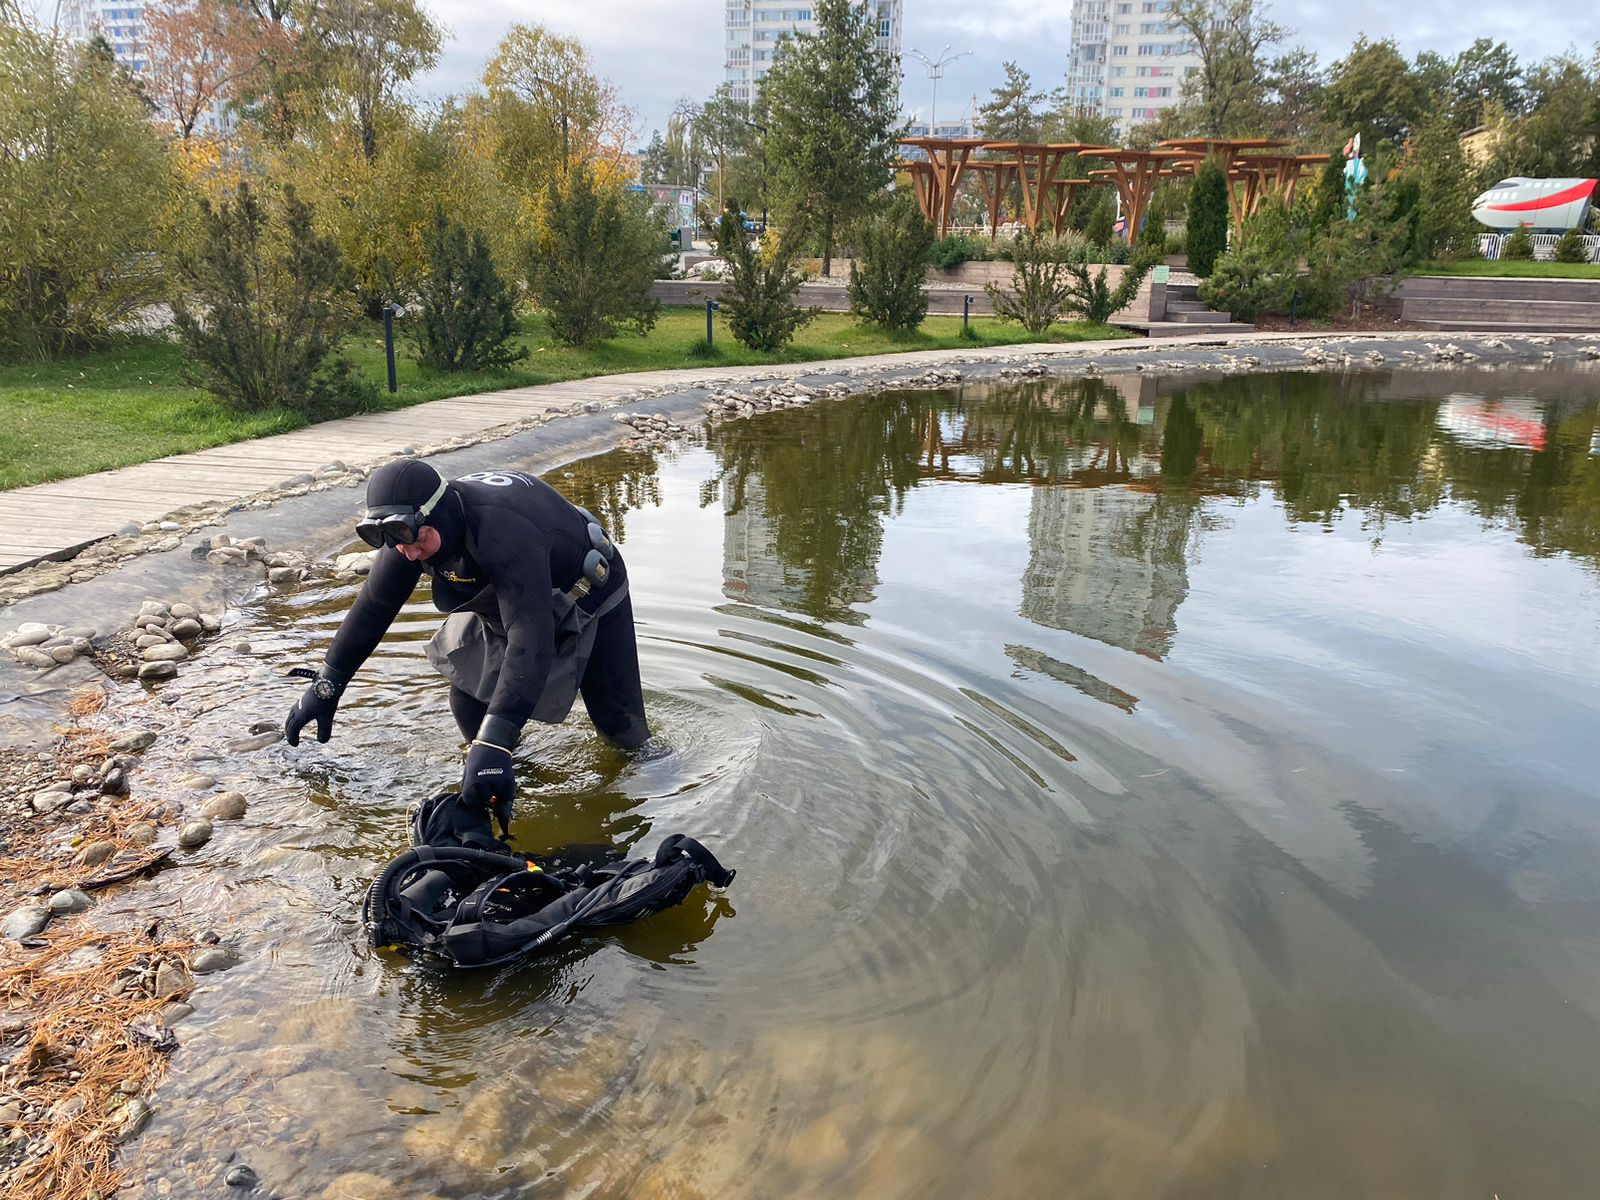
<point x="1512" y="270"/>
<point x="129" y="403"/>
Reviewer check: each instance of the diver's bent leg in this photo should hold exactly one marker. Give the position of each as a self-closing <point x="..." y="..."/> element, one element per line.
<point x="611" y="689"/>
<point x="468" y="712"/>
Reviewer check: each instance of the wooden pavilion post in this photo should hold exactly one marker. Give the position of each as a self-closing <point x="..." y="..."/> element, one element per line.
<point x="947" y="158"/>
<point x="1135" y="173"/>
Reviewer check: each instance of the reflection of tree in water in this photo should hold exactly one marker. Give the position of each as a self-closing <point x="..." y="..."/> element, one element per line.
<point x="1549" y="497"/>
<point x="609" y="485"/>
<point x="1331" y="442"/>
<point x="817" y="481"/>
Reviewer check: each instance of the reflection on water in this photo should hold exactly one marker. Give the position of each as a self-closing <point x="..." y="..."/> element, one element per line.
<point x="1138" y="788"/>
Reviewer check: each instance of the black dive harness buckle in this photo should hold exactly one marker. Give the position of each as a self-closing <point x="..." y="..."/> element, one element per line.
<point x="596" y="563"/>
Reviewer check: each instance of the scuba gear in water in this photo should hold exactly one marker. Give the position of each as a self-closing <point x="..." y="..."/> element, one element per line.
<point x="476" y="907"/>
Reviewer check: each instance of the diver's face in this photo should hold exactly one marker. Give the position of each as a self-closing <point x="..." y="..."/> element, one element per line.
<point x="425" y="547"/>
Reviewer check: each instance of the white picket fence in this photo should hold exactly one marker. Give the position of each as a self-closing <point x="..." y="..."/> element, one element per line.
<point x="1544" y="245"/>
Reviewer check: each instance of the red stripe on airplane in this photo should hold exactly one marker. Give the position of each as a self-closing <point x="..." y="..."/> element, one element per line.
<point x="1576" y="192"/>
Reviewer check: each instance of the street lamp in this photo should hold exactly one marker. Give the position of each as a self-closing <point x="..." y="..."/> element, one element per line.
<point x="936" y="68"/>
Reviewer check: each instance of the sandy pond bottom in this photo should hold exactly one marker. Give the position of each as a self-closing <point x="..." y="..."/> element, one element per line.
<point x="1138" y="788"/>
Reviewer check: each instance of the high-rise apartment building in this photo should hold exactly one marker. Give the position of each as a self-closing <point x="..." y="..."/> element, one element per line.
<point x="120" y="22"/>
<point x="1127" y="62"/>
<point x="753" y="28"/>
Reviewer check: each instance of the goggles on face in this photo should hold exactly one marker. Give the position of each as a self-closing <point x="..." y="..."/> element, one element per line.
<point x="395" y="524"/>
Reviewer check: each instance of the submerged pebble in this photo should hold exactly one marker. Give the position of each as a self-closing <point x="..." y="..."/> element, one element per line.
<point x="194" y="834"/>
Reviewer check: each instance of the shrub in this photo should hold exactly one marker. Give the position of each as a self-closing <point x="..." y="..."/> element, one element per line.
<point x="1518" y="245"/>
<point x="259" y="311"/>
<point x="759" y="299"/>
<point x="1092" y="299"/>
<point x="1100" y="226"/>
<point x="1208" y="218"/>
<point x="888" y="276"/>
<point x="954" y="249"/>
<point x="1049" y="280"/>
<point x="1252" y="279"/>
<point x="467" y="315"/>
<point x="1352" y="257"/>
<point x="1569" y="248"/>
<point x="83" y="179"/>
<point x="595" y="261"/>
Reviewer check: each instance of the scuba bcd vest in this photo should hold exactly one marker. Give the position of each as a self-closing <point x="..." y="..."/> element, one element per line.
<point x="471" y="901"/>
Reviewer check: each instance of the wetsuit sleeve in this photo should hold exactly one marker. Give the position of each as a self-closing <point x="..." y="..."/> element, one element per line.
<point x="516" y="556"/>
<point x="389" y="585"/>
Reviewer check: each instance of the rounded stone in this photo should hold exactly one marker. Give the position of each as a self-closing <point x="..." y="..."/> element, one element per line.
<point x="51" y="801"/>
<point x="210" y="623"/>
<point x="169" y="652"/>
<point x="134" y="1118"/>
<point x="172" y="1013"/>
<point x="194" y="834"/>
<point x="141" y="833"/>
<point x="70" y="901"/>
<point x="24" y="922"/>
<point x="30" y="656"/>
<point x="115" y="782"/>
<point x="151" y="638"/>
<point x="170" y="980"/>
<point x="158" y="670"/>
<point x="213" y="959"/>
<point x="96" y="853"/>
<point x="82" y="773"/>
<point x="240" y="1175"/>
<point x="186" y="628"/>
<point x="63" y="654"/>
<point x="197" y="783"/>
<point x="132" y="742"/>
<point x="229" y="806"/>
<point x="184" y="611"/>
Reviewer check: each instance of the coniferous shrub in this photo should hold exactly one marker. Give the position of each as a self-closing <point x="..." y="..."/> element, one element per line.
<point x="1041" y="286"/>
<point x="1100" y="227"/>
<point x="1093" y="299"/>
<point x="888" y="277"/>
<point x="1518" y="245"/>
<point x="1569" y="248"/>
<point x="1208" y="218"/>
<point x="260" y="311"/>
<point x="759" y="301"/>
<point x="467" y="313"/>
<point x="596" y="260"/>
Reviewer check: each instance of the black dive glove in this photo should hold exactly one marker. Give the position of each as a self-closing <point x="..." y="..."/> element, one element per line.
<point x="486" y="777"/>
<point x="317" y="703"/>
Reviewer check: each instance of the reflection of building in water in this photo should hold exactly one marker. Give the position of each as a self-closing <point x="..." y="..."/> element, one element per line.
<point x="1108" y="563"/>
<point x="753" y="570"/>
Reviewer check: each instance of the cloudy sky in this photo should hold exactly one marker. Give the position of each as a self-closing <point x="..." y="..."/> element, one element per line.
<point x="657" y="52"/>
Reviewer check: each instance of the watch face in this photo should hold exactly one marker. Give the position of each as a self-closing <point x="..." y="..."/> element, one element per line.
<point x="324" y="689"/>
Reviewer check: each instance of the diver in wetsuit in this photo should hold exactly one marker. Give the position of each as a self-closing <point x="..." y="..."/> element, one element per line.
<point x="539" y="609"/>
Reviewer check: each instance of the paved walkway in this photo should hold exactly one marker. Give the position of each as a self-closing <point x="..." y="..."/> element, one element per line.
<point x="55" y="520"/>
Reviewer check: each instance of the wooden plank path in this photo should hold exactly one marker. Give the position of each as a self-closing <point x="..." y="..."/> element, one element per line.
<point x="55" y="520"/>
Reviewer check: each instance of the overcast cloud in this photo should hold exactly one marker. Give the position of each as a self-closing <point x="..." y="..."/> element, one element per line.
<point x="656" y="53"/>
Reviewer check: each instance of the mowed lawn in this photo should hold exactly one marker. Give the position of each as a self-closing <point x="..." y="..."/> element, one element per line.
<point x="1512" y="269"/>
<point x="130" y="402"/>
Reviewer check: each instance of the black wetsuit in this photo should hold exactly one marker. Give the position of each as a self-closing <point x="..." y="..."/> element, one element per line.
<point x="522" y="539"/>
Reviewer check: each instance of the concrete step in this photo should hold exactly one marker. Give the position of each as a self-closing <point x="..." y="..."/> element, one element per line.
<point x="1185" y="305"/>
<point x="1531" y="314"/>
<point x="1202" y="316"/>
<point x="1161" y="329"/>
<point x="1507" y="326"/>
<point x="1464" y="287"/>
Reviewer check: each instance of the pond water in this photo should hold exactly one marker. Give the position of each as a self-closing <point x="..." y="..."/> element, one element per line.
<point x="1137" y="787"/>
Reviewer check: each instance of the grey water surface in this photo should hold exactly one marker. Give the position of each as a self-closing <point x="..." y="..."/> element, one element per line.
<point x="1138" y="788"/>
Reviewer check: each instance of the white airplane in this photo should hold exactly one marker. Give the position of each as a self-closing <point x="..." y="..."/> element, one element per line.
<point x="1552" y="205"/>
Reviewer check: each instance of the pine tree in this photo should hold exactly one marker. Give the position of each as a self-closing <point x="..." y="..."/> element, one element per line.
<point x="887" y="278"/>
<point x="596" y="260"/>
<point x="759" y="300"/>
<point x="468" y="315"/>
<point x="833" y="119"/>
<point x="259" y="313"/>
